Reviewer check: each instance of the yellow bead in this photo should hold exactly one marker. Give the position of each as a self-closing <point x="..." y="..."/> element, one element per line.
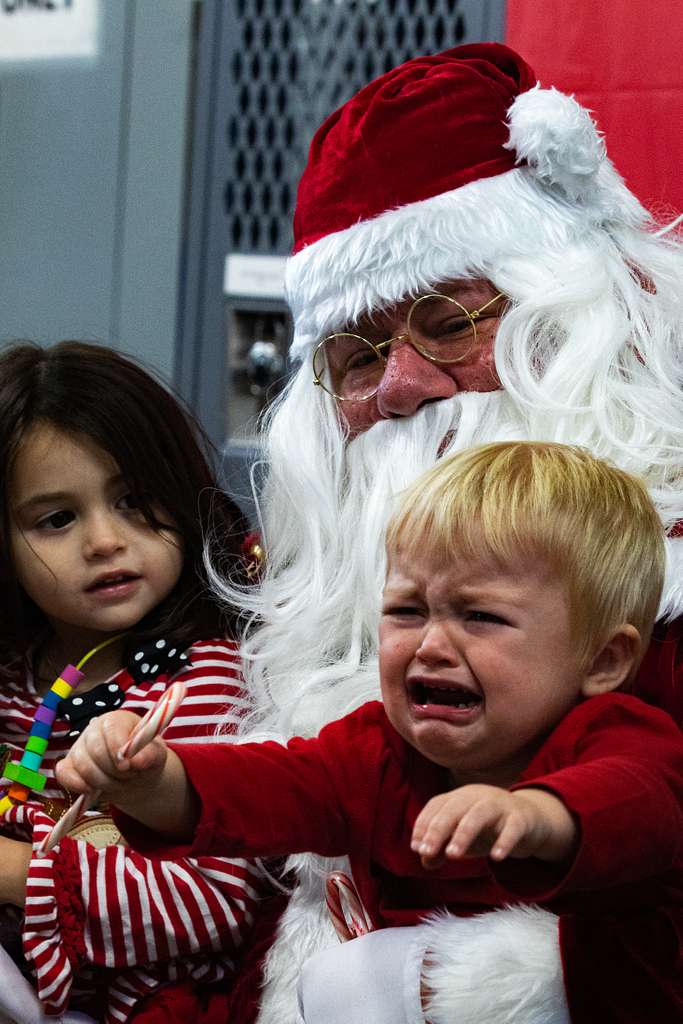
<point x="61" y="687"/>
<point x="5" y="804"/>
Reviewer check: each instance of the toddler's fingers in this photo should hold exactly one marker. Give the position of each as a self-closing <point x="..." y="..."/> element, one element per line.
<point x="438" y="820"/>
<point x="115" y="729"/>
<point x="91" y="762"/>
<point x="424" y="820"/>
<point x="478" y="818"/>
<point x="512" y="832"/>
<point x="77" y="772"/>
<point x="68" y="777"/>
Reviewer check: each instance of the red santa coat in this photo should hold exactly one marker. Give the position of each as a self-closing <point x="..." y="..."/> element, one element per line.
<point x="660" y="676"/>
<point x="616" y="763"/>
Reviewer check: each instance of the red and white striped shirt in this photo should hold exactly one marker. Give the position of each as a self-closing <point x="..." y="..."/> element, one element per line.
<point x="110" y="918"/>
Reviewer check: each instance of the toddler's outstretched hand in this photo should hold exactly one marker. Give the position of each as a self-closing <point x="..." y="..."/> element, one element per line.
<point x="94" y="761"/>
<point x="479" y="820"/>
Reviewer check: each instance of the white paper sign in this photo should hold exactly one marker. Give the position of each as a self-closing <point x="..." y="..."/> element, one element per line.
<point x="261" y="277"/>
<point x="33" y="30"/>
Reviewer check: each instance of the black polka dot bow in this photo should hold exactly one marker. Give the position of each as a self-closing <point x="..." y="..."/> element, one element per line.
<point x="79" y="709"/>
<point x="157" y="658"/>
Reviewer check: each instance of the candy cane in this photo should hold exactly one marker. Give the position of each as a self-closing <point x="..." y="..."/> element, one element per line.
<point x="153" y="724"/>
<point x="346" y="910"/>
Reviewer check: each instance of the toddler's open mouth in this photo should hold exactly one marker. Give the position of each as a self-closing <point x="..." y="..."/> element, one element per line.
<point x="424" y="694"/>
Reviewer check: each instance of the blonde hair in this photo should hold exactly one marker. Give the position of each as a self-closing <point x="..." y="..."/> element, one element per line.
<point x="590" y="523"/>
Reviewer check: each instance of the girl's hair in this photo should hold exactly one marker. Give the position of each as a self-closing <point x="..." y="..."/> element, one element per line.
<point x="591" y="524"/>
<point x="162" y="453"/>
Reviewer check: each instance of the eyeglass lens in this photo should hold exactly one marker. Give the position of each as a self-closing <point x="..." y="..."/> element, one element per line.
<point x="351" y="367"/>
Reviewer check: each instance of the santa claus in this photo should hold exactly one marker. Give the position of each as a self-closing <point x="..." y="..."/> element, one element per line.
<point x="468" y="266"/>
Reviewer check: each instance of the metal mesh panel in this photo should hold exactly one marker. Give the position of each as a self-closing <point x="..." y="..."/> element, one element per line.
<point x="291" y="63"/>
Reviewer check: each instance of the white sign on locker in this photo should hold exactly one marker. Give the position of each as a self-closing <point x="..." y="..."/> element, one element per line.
<point x="34" y="30"/>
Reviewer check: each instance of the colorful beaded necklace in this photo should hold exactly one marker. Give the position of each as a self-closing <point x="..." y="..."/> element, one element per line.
<point x="26" y="775"/>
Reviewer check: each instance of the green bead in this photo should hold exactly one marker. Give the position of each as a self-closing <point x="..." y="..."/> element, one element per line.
<point x="26" y="777"/>
<point x="37" y="744"/>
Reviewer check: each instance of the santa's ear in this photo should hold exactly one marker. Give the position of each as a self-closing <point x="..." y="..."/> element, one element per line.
<point x="614" y="662"/>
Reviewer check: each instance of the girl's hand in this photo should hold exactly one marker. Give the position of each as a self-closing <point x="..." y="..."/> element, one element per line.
<point x="93" y="762"/>
<point x="151" y="786"/>
<point x="478" y="820"/>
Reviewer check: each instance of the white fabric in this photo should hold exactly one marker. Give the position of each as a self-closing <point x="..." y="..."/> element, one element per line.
<point x="18" y="1002"/>
<point x="496" y="968"/>
<point x="371" y="980"/>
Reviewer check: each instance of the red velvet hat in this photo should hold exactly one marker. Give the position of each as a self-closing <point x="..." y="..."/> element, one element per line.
<point x="426" y="127"/>
<point x="435" y="170"/>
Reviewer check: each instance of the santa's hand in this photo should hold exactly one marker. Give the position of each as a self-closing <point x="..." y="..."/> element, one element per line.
<point x="94" y="762"/>
<point x="480" y="820"/>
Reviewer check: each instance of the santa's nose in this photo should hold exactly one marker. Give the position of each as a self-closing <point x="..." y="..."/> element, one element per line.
<point x="409" y="381"/>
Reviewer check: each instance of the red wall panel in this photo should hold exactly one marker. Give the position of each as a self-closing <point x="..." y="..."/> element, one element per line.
<point x="624" y="60"/>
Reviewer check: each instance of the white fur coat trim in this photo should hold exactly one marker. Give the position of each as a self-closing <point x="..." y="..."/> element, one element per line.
<point x="498" y="968"/>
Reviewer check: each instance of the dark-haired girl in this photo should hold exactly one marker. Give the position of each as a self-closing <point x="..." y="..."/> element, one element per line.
<point x="107" y="495"/>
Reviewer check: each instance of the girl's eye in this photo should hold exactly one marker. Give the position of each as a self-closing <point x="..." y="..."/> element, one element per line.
<point x="130" y="503"/>
<point x="56" y="520"/>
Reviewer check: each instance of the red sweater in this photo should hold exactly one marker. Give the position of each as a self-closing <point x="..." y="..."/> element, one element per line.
<point x="357" y="788"/>
<point x="109" y="926"/>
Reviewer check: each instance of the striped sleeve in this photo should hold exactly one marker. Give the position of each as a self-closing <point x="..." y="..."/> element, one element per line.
<point x="146" y="921"/>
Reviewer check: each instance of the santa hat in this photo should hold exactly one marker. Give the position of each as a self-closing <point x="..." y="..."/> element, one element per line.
<point x="443" y="165"/>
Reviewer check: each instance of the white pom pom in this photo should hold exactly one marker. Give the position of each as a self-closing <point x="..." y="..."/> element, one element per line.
<point x="558" y="140"/>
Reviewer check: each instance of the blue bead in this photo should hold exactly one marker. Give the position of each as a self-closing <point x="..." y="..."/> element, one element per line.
<point x="51" y="700"/>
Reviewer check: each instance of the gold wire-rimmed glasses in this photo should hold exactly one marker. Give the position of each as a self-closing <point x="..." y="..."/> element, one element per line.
<point x="441" y="329"/>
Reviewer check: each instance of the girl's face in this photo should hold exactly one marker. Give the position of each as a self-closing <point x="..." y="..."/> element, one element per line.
<point x="82" y="550"/>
